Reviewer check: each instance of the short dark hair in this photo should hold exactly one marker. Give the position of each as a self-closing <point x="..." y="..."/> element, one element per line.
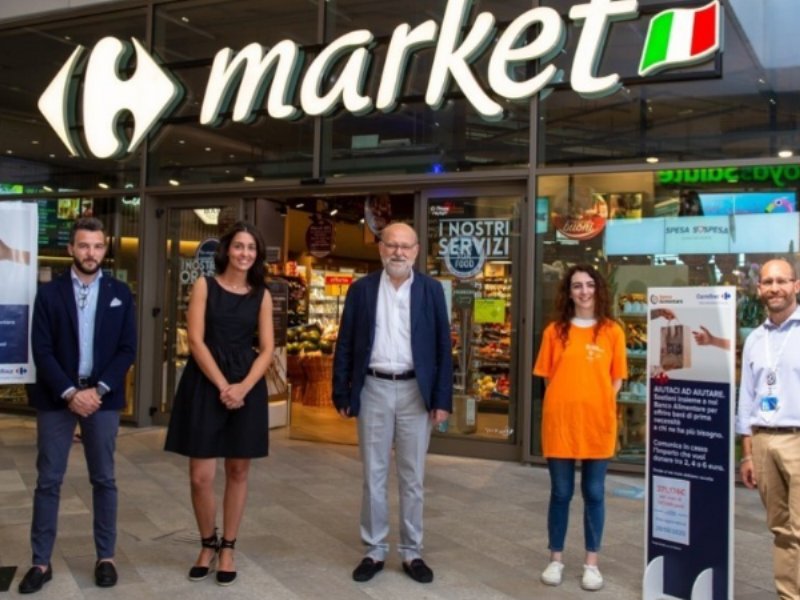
<point x="256" y="273"/>
<point x="87" y="224"/>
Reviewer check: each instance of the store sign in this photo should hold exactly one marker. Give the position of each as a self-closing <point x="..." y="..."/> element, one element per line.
<point x="240" y="81"/>
<point x="337" y="284"/>
<point x="777" y="175"/>
<point x="319" y="237"/>
<point x="466" y="244"/>
<point x="579" y="228"/>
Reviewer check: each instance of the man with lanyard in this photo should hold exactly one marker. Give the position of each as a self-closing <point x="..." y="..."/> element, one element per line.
<point x="769" y="418"/>
<point x="83" y="338"/>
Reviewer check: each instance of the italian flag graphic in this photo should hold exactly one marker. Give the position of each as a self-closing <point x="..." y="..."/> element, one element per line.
<point x="680" y="37"/>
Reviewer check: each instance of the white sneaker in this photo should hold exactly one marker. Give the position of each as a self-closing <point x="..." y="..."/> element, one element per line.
<point x="592" y="578"/>
<point x="552" y="574"/>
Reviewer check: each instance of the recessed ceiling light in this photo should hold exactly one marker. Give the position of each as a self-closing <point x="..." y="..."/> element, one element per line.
<point x="103" y="185"/>
<point x="174" y="182"/>
<point x="208" y="148"/>
<point x="181" y="141"/>
<point x="35" y="142"/>
<point x="249" y="178"/>
<point x="334" y="211"/>
<point x="652" y="159"/>
<point x="785" y="154"/>
<point x="9" y="152"/>
<point x="185" y="19"/>
<point x="47" y="188"/>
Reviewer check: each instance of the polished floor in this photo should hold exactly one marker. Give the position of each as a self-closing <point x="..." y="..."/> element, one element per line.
<point x="485" y="528"/>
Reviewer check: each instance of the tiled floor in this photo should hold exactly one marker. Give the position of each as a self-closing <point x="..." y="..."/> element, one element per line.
<point x="485" y="528"/>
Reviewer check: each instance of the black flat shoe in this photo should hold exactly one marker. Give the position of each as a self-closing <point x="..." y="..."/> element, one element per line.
<point x="367" y="569"/>
<point x="418" y="571"/>
<point x="198" y="573"/>
<point x="34" y="579"/>
<point x="105" y="574"/>
<point x="226" y="577"/>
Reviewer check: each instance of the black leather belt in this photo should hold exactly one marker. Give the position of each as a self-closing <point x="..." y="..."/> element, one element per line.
<point x="83" y="383"/>
<point x="775" y="430"/>
<point x="404" y="376"/>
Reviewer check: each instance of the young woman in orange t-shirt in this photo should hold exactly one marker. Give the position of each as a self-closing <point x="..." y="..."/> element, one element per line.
<point x="582" y="359"/>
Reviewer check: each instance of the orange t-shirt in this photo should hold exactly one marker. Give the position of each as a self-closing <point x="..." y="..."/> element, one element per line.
<point x="579" y="416"/>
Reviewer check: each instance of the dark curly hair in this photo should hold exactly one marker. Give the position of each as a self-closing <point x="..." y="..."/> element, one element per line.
<point x="565" y="306"/>
<point x="257" y="272"/>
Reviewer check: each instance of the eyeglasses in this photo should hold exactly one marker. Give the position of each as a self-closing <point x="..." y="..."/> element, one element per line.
<point x="779" y="281"/>
<point x="394" y="247"/>
<point x="83" y="296"/>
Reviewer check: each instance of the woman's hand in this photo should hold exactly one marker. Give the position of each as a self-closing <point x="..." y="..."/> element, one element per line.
<point x="233" y="396"/>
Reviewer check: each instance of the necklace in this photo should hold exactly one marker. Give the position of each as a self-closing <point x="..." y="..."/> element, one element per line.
<point x="234" y="286"/>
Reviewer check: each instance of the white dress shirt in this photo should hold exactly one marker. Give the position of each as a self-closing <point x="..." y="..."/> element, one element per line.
<point x="757" y="361"/>
<point x="391" y="349"/>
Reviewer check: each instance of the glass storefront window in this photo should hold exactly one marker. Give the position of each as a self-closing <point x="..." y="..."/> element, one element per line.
<point x="472" y="244"/>
<point x="680" y="227"/>
<point x="415" y="138"/>
<point x="120" y="217"/>
<point x="745" y="106"/>
<point x="187" y="36"/>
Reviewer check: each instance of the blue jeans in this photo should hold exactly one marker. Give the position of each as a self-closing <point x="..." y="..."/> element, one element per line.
<point x="562" y="482"/>
<point x="54" y="431"/>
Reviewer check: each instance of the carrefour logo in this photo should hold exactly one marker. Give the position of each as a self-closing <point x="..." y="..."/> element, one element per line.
<point x="241" y="82"/>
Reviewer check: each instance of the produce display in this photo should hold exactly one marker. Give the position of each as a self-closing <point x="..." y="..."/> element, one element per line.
<point x="311" y="338"/>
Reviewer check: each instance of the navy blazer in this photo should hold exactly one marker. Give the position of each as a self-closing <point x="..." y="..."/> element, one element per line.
<point x="431" y="347"/>
<point x="54" y="339"/>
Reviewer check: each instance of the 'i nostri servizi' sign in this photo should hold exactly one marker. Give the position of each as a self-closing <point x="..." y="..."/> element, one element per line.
<point x="242" y="81"/>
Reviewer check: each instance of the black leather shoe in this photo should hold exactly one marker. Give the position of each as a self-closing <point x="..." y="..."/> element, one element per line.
<point x="418" y="571"/>
<point x="105" y="574"/>
<point x="34" y="579"/>
<point x="367" y="569"/>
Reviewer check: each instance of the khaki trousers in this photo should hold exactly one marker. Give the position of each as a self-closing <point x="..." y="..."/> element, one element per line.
<point x="776" y="459"/>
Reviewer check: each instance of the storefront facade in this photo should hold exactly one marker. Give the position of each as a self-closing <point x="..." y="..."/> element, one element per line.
<point x="659" y="170"/>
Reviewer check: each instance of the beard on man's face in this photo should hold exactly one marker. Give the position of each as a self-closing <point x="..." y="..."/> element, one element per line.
<point x="397" y="267"/>
<point x="87" y="267"/>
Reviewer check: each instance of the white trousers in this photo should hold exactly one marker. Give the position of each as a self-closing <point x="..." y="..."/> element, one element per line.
<point x="392" y="412"/>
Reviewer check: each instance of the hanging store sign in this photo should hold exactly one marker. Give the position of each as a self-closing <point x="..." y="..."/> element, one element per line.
<point x="579" y="228"/>
<point x="319" y="236"/>
<point x="240" y="81"/>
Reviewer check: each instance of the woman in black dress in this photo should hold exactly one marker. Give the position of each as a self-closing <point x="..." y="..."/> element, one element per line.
<point x="220" y="407"/>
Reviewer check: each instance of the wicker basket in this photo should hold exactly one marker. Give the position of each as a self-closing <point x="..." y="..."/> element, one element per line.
<point x="296" y="376"/>
<point x="319" y="374"/>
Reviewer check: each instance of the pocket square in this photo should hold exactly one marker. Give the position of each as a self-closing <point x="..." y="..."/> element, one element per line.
<point x="115" y="302"/>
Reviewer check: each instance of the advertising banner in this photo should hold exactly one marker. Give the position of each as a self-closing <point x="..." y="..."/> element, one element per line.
<point x="691" y="334"/>
<point x="19" y="227"/>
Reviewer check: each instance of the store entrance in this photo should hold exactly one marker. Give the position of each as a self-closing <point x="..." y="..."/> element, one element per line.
<point x="188" y="235"/>
<point x="330" y="242"/>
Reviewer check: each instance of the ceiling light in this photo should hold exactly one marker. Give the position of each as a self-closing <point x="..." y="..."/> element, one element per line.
<point x="300" y="205"/>
<point x="785" y="154"/>
<point x="47" y="188"/>
<point x="103" y="185"/>
<point x="333" y="212"/>
<point x="652" y="159"/>
<point x="174" y="182"/>
<point x="249" y="178"/>
<point x="208" y="148"/>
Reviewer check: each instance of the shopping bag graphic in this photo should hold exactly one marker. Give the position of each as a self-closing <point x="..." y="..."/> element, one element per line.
<point x="675" y="347"/>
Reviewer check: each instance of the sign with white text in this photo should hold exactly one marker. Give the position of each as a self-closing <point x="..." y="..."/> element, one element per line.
<point x="691" y="334"/>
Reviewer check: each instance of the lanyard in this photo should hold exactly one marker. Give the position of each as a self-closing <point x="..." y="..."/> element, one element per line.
<point x="772" y="367"/>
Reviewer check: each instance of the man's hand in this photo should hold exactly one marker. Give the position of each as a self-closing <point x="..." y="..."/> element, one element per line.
<point x="85" y="402"/>
<point x="344" y="412"/>
<point x="439" y="416"/>
<point x="748" y="473"/>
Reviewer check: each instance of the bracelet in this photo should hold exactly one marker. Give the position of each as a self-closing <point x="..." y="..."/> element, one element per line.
<point x="745" y="459"/>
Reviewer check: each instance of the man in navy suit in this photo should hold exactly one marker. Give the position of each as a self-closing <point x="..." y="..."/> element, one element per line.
<point x="84" y="341"/>
<point x="393" y="370"/>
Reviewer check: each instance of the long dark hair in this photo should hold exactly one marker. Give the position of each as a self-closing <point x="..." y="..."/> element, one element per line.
<point x="565" y="306"/>
<point x="257" y="272"/>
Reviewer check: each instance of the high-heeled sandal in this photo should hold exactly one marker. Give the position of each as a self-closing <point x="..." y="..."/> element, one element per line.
<point x="226" y="577"/>
<point x="197" y="573"/>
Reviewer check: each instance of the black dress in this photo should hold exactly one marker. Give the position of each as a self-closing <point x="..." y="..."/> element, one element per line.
<point x="200" y="426"/>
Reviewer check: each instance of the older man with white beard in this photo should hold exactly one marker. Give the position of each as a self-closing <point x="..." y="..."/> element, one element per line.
<point x="393" y="370"/>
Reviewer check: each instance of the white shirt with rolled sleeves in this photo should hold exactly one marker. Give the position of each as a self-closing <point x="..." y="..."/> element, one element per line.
<point x="756" y="365"/>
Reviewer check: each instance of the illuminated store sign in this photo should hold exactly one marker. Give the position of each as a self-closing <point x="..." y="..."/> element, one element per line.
<point x="241" y="81"/>
<point x="777" y="175"/>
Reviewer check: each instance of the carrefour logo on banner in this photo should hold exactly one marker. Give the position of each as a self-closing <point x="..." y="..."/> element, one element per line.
<point x="240" y="83"/>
